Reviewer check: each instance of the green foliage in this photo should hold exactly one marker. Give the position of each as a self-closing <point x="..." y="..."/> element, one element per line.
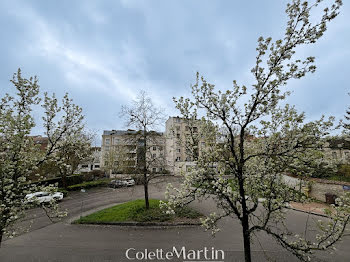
<point x="136" y="211"/>
<point x="341" y="174"/>
<point x="70" y="180"/>
<point x="344" y="171"/>
<point x="90" y="184"/>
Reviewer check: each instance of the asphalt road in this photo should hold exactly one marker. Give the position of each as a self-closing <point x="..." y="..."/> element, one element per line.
<point x="62" y="241"/>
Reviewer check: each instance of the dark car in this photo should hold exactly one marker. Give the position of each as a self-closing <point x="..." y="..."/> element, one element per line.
<point x="116" y="183"/>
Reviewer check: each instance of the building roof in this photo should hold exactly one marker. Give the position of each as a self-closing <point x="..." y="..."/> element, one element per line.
<point x="125" y="132"/>
<point x="339" y="143"/>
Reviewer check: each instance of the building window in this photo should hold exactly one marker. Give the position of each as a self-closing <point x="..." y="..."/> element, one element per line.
<point x="160" y="148"/>
<point x="178" y="135"/>
<point x="178" y="150"/>
<point x="154" y="155"/>
<point x="154" y="148"/>
<point x="107" y="141"/>
<point x="187" y="128"/>
<point x="97" y="166"/>
<point x="195" y="129"/>
<point x="188" y="159"/>
<point x="178" y="159"/>
<point x="154" y="169"/>
<point x="84" y="166"/>
<point x="160" y="169"/>
<point x="177" y="120"/>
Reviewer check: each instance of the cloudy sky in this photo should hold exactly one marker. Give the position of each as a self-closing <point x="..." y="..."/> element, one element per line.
<point x="104" y="52"/>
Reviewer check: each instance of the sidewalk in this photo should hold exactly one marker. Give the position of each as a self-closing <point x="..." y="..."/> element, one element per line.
<point x="313" y="207"/>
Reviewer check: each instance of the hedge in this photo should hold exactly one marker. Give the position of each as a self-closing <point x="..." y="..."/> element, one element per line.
<point x="97" y="183"/>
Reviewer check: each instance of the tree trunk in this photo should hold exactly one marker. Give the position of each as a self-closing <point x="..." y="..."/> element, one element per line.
<point x="145" y="181"/>
<point x="246" y="239"/>
<point x="145" y="185"/>
<point x="64" y="182"/>
<point x="1" y="233"/>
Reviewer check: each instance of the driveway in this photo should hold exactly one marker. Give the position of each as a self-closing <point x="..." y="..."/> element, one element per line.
<point x="65" y="242"/>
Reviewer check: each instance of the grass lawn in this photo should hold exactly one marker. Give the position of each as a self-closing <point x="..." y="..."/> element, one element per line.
<point x="135" y="211"/>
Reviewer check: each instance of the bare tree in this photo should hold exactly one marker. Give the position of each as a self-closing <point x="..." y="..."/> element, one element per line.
<point x="146" y="117"/>
<point x="117" y="159"/>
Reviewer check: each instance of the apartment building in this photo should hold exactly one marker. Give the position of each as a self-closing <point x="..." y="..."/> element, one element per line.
<point x="42" y="141"/>
<point x="179" y="157"/>
<point x="93" y="163"/>
<point x="122" y="151"/>
<point x="338" y="149"/>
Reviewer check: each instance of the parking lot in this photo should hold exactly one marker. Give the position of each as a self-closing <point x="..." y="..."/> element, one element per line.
<point x="62" y="241"/>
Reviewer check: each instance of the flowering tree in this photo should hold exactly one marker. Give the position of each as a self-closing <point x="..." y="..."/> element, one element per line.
<point x="250" y="146"/>
<point x="19" y="155"/>
<point x="75" y="149"/>
<point x="144" y="116"/>
<point x="346" y="125"/>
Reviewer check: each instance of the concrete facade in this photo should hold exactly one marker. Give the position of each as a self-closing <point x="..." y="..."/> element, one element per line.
<point x="338" y="149"/>
<point x="176" y="129"/>
<point x="93" y="164"/>
<point x="168" y="146"/>
<point x="129" y="143"/>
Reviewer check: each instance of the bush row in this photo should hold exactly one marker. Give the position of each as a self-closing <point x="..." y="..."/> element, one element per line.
<point x="90" y="184"/>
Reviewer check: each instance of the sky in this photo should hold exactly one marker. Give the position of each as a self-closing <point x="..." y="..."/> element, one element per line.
<point x="104" y="52"/>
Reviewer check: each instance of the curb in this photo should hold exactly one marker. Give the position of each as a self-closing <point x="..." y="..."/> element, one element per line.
<point x="72" y="220"/>
<point x="141" y="224"/>
<point x="308" y="212"/>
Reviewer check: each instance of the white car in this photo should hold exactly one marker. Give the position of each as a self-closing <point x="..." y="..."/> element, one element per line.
<point x="129" y="182"/>
<point x="43" y="197"/>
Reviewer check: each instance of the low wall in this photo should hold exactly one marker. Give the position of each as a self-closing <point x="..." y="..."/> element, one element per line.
<point x="319" y="187"/>
<point x="291" y="181"/>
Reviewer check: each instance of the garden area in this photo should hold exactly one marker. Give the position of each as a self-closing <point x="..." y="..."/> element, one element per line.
<point x="135" y="211"/>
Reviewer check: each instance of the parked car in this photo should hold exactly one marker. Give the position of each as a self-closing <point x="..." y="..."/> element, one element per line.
<point x="130" y="182"/>
<point x="121" y="183"/>
<point x="43" y="197"/>
<point x="116" y="183"/>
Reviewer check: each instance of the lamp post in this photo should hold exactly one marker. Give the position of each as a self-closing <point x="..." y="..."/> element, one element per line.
<point x="82" y="203"/>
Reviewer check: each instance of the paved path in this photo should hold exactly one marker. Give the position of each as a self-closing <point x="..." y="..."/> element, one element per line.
<point x="65" y="242"/>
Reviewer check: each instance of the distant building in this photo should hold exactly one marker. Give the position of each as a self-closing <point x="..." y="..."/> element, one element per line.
<point x="177" y="155"/>
<point x="41" y="140"/>
<point x="124" y="148"/>
<point x="338" y="148"/>
<point x="94" y="163"/>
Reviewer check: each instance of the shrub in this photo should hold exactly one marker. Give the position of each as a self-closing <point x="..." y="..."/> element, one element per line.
<point x="89" y="184"/>
<point x="344" y="170"/>
<point x="97" y="173"/>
